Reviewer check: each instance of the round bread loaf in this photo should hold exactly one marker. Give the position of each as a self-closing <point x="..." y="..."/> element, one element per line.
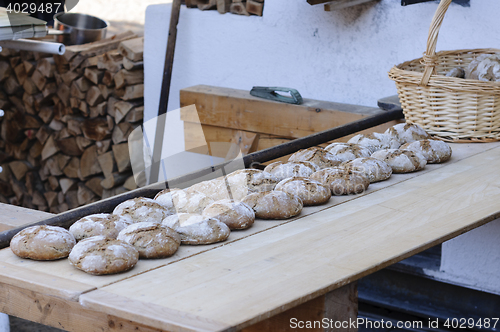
<point x="197" y="229"/>
<point x="236" y="215"/>
<point x="101" y="255"/>
<point x="311" y="192"/>
<point x="406" y="133"/>
<point x="290" y="169"/>
<point x="433" y="150"/>
<point x="401" y="161"/>
<point x="216" y="189"/>
<point x="375" y="141"/>
<point x="375" y="169"/>
<point x="183" y="201"/>
<point x="105" y="224"/>
<point x="348" y="151"/>
<point x="42" y="243"/>
<point x="142" y="209"/>
<point x="274" y="204"/>
<point x="316" y="155"/>
<point x="151" y="240"/>
<point x="246" y="181"/>
<point x="342" y="181"/>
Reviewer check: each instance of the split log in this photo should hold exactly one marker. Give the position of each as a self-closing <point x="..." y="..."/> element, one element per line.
<point x="29" y="67"/>
<point x="135" y="115"/>
<point x="122" y="157"/>
<point x="103" y="146"/>
<point x="54" y="184"/>
<point x="94" y="96"/>
<point x="239" y="9"/>
<point x="130" y="183"/>
<point x="20" y="72"/>
<point x="49" y="148"/>
<point x="29" y="86"/>
<point x="223" y="6"/>
<point x="72" y="169"/>
<point x="255" y="7"/>
<point x="98" y="110"/>
<point x="67" y="184"/>
<point x="108" y="78"/>
<point x="75" y="92"/>
<point x="51" y="198"/>
<point x="71" y="198"/>
<point x="94" y="75"/>
<point x="75" y="126"/>
<point x="121" y="132"/>
<point x="89" y="164"/>
<point x="84" y="194"/>
<point x="132" y="49"/>
<point x="83" y="84"/>
<point x="36" y="150"/>
<point x="53" y="167"/>
<point x="94" y="184"/>
<point x="122" y="108"/>
<point x="63" y="92"/>
<point x="107" y="164"/>
<point x="11" y="86"/>
<point x="90" y="62"/>
<point x="83" y="142"/>
<point x="43" y="134"/>
<point x="105" y="91"/>
<point x="5" y="71"/>
<point x="110" y="62"/>
<point x="132" y="65"/>
<point x="38" y="199"/>
<point x="62" y="160"/>
<point x="125" y="77"/>
<point x="96" y="129"/>
<point x="39" y="80"/>
<point x="69" y="147"/>
<point x="46" y="66"/>
<point x="49" y="90"/>
<point x="207" y="4"/>
<point x="113" y="180"/>
<point x="19" y="168"/>
<point x="131" y="92"/>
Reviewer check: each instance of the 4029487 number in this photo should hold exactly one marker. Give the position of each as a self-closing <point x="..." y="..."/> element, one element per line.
<point x="32" y="8"/>
<point x="469" y="323"/>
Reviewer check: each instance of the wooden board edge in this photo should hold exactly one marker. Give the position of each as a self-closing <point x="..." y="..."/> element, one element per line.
<point x="148" y="314"/>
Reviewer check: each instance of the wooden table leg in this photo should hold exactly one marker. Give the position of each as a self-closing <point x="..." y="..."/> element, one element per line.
<point x="334" y="311"/>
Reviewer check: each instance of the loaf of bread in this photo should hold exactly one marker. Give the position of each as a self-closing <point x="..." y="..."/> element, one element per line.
<point x="42" y="243"/>
<point x="316" y="155"/>
<point x="290" y="169"/>
<point x="406" y="133"/>
<point x="197" y="229"/>
<point x="101" y="255"/>
<point x="236" y="215"/>
<point x="348" y="151"/>
<point x="151" y="240"/>
<point x="401" y="161"/>
<point x="375" y="141"/>
<point x="375" y="169"/>
<point x="433" y="150"/>
<point x="311" y="192"/>
<point x="183" y="201"/>
<point x="141" y="209"/>
<point x="246" y="181"/>
<point x="485" y="67"/>
<point x="342" y="181"/>
<point x="216" y="189"/>
<point x="274" y="204"/>
<point x="105" y="224"/>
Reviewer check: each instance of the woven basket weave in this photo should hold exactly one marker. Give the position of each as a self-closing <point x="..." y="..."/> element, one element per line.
<point x="453" y="109"/>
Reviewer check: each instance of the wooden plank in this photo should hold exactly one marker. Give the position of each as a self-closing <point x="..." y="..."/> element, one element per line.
<point x="341" y="4"/>
<point x="16" y="216"/>
<point x="132" y="48"/>
<point x="209" y="285"/>
<point x="237" y="109"/>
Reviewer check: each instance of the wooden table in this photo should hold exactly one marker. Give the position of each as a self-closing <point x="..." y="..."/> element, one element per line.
<point x="305" y="267"/>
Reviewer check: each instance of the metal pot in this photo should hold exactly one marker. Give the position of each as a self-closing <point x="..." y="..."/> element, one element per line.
<point x="77" y="29"/>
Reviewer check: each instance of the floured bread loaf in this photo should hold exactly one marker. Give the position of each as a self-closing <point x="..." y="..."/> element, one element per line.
<point x="105" y="224"/>
<point x="274" y="204"/>
<point x="311" y="192"/>
<point x="216" y="189"/>
<point x="401" y="161"/>
<point x="375" y="169"/>
<point x="183" y="201"/>
<point x="348" y="151"/>
<point x="433" y="150"/>
<point x="246" y="181"/>
<point x="151" y="240"/>
<point x="485" y="67"/>
<point x="342" y="181"/>
<point x="290" y="169"/>
<point x="316" y="155"/>
<point x="375" y="141"/>
<point x="101" y="255"/>
<point x="197" y="229"/>
<point x="406" y="133"/>
<point x="42" y="243"/>
<point x="236" y="215"/>
<point x="142" y="209"/>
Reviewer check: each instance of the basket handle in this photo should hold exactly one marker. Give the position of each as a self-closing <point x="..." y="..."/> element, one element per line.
<point x="430" y="58"/>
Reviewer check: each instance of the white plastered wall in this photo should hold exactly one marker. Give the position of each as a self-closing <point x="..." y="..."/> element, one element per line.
<point x="341" y="56"/>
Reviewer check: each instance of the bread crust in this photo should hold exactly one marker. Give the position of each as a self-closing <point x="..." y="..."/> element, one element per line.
<point x="105" y="224"/>
<point x="196" y="229"/>
<point x="406" y="133"/>
<point x="236" y="215"/>
<point x="375" y="169"/>
<point x="141" y="209"/>
<point x="100" y="255"/>
<point x="151" y="240"/>
<point x="274" y="204"/>
<point x="401" y="161"/>
<point x="316" y="155"/>
<point x="42" y="243"/>
<point x="310" y="191"/>
<point x="282" y="170"/>
<point x="342" y="181"/>
<point x="348" y="151"/>
<point x="433" y="150"/>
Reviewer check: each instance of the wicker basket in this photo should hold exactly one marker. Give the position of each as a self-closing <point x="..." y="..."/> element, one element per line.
<point x="453" y="109"/>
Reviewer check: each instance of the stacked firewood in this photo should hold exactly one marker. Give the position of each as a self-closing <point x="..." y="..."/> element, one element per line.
<point x="240" y="7"/>
<point x="66" y="120"/>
